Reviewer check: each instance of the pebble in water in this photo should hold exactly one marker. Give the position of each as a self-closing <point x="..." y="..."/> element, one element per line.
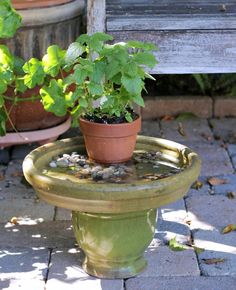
<point x="84" y="168"/>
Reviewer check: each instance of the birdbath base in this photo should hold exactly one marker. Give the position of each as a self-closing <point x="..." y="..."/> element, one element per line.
<point x="114" y="243"/>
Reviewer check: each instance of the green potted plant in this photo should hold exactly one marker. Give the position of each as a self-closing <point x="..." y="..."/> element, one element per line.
<point x="105" y="82"/>
<point x="20" y="102"/>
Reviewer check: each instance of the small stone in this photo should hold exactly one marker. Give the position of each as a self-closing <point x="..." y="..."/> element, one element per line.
<point x="81" y="162"/>
<point x="96" y="169"/>
<point x="85" y="172"/>
<point x="97" y="175"/>
<point x="66" y="156"/>
<point x="107" y="173"/>
<point x="53" y="164"/>
<point x="61" y="162"/>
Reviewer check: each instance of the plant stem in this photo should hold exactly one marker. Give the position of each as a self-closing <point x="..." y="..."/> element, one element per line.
<point x="12" y="99"/>
<point x="10" y="121"/>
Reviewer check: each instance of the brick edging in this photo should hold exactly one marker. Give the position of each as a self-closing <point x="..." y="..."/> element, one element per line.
<point x="201" y="106"/>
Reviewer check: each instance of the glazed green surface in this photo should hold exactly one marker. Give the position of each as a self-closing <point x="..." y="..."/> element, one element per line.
<point x="114" y="243"/>
<point x="71" y="193"/>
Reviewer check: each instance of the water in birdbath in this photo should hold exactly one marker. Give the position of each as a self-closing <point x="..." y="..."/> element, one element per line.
<point x="144" y="165"/>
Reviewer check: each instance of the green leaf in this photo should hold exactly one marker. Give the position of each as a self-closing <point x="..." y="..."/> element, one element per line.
<point x="94" y="42"/>
<point x="175" y="246"/>
<point x="3" y="119"/>
<point x="20" y="85"/>
<point x="3" y="87"/>
<point x="128" y="117"/>
<point x="83" y="102"/>
<point x="112" y="69"/>
<point x="10" y="20"/>
<point x="34" y="73"/>
<point x="146" y="58"/>
<point x="1" y="101"/>
<point x="6" y="58"/>
<point x="131" y="69"/>
<point x="18" y="65"/>
<point x="79" y="75"/>
<point x="142" y="45"/>
<point x="132" y="85"/>
<point x="53" y="98"/>
<point x="98" y="74"/>
<point x="148" y="76"/>
<point x="73" y="52"/>
<point x="138" y="100"/>
<point x="53" y="60"/>
<point x="72" y="98"/>
<point x="95" y="89"/>
<point x="101" y="36"/>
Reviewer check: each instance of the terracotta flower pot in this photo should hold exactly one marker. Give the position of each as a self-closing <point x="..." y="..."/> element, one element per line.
<point x="30" y="115"/>
<point x="110" y="143"/>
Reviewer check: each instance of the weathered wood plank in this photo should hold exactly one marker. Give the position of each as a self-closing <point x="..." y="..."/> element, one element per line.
<point x="189" y="51"/>
<point x="117" y="7"/>
<point x="174" y="22"/>
<point x="96" y="15"/>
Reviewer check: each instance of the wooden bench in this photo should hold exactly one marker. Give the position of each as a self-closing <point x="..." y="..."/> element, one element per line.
<point x="193" y="36"/>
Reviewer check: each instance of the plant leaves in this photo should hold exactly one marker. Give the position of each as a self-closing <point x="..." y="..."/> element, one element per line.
<point x="53" y="98"/>
<point x="133" y="85"/>
<point x="95" y="89"/>
<point x="229" y="228"/>
<point x="216" y="181"/>
<point x="146" y="58"/>
<point x="138" y="100"/>
<point x="34" y="73"/>
<point x="3" y="87"/>
<point x="73" y="52"/>
<point x="53" y="60"/>
<point x="176" y="246"/>
<point x="6" y="58"/>
<point x="3" y="119"/>
<point x="10" y="20"/>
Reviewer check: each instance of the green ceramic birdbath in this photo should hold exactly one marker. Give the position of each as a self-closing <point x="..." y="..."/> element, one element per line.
<point x="114" y="221"/>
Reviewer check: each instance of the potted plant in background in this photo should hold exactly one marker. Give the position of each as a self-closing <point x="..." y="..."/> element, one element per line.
<point x="105" y="82"/>
<point x="20" y="105"/>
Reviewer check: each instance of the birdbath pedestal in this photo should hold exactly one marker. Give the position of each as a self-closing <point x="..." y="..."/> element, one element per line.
<point x="114" y="220"/>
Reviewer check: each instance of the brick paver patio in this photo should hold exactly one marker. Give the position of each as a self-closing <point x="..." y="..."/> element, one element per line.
<point x="40" y="252"/>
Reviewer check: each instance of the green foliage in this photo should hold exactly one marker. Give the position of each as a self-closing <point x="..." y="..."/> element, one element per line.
<point x="216" y="84"/>
<point x="90" y="77"/>
<point x="176" y="246"/>
<point x="34" y="73"/>
<point x="53" y="60"/>
<point x="107" y="78"/>
<point x="10" y="20"/>
<point x="53" y="98"/>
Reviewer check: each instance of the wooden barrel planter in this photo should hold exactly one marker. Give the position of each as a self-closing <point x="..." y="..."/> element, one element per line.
<point x="46" y="22"/>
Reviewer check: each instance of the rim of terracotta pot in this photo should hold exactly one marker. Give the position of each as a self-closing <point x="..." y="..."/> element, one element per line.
<point x="27" y="4"/>
<point x="71" y="193"/>
<point x="104" y="130"/>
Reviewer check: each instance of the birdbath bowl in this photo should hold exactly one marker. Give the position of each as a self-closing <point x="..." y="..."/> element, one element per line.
<point x="114" y="219"/>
